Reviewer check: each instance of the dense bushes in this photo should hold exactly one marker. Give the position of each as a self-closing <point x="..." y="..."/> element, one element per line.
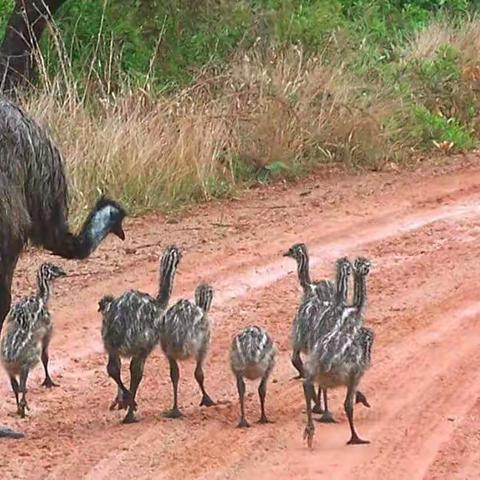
<point x="165" y="42"/>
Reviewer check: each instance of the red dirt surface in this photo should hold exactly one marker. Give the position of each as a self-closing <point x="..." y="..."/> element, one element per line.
<point x="422" y="231"/>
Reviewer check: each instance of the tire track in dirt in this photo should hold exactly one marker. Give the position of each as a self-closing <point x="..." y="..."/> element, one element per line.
<point x="444" y="379"/>
<point x="459" y="458"/>
<point x="404" y="424"/>
<point x="108" y="468"/>
<point x="239" y="284"/>
<point x="205" y="445"/>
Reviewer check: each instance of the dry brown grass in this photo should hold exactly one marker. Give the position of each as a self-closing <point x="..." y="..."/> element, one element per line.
<point x="154" y="152"/>
<point x="465" y="39"/>
<point x="269" y="114"/>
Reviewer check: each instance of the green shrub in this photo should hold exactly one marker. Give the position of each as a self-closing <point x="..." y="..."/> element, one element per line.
<point x="6" y="6"/>
<point x="446" y="104"/>
<point x="433" y="129"/>
<point x="159" y="42"/>
<point x="308" y="22"/>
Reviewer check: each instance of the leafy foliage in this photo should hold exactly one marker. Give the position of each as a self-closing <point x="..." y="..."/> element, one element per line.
<point x="164" y="43"/>
<point x="433" y="128"/>
<point x="6" y="6"/>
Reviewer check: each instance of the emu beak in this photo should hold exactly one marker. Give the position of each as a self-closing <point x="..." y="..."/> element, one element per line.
<point x="286" y="254"/>
<point x="118" y="231"/>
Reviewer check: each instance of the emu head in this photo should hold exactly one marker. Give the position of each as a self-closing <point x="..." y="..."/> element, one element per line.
<point x="362" y="266"/>
<point x="49" y="271"/>
<point x="105" y="303"/>
<point x="344" y="266"/>
<point x="170" y="259"/>
<point x="297" y="251"/>
<point x="204" y="296"/>
<point x="107" y="217"/>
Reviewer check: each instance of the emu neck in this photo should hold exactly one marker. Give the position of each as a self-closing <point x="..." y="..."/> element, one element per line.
<point x="360" y="292"/>
<point x="94" y="231"/>
<point x="303" y="271"/>
<point x="204" y="304"/>
<point x="80" y="246"/>
<point x="43" y="288"/>
<point x="165" y="287"/>
<point x="342" y="286"/>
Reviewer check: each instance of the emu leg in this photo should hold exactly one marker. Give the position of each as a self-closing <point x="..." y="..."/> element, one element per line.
<point x="174" y="376"/>
<point x="349" y="401"/>
<point x="123" y="397"/>
<point x="262" y="393"/>
<point x="5" y="301"/>
<point x="241" y="393"/>
<point x="7" y="267"/>
<point x="297" y="363"/>
<point x="48" y="382"/>
<point x="309" y="393"/>
<point x="317" y="408"/>
<point x="15" y="388"/>
<point x="199" y="377"/>
<point x="22" y="405"/>
<point x="136" y="374"/>
<point x="327" y="416"/>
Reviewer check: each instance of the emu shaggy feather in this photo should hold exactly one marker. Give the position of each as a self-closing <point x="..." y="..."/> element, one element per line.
<point x="34" y="199"/>
<point x="34" y="203"/>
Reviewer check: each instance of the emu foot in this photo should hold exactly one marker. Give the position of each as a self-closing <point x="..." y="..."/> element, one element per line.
<point x="317" y="408"/>
<point x="243" y="423"/>
<point x="6" y="432"/>
<point x="49" y="383"/>
<point x="130" y="418"/>
<point x="173" y="413"/>
<point x="118" y="402"/>
<point x="356" y="440"/>
<point x="326" y="417"/>
<point x="361" y="398"/>
<point x="22" y="406"/>
<point x="299" y="368"/>
<point x="123" y="401"/>
<point x="308" y="434"/>
<point x="206" y="401"/>
<point x="264" y="419"/>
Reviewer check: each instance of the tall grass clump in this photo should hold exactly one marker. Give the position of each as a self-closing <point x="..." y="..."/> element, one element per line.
<point x="267" y="115"/>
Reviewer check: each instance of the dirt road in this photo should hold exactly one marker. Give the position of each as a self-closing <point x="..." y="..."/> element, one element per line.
<point x="422" y="232"/>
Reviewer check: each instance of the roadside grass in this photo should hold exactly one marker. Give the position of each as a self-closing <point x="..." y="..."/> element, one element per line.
<point x="321" y="85"/>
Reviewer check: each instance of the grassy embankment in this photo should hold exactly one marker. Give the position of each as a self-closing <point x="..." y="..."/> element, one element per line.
<point x="161" y="102"/>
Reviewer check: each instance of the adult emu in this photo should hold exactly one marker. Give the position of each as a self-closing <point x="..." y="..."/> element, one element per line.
<point x="34" y="201"/>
